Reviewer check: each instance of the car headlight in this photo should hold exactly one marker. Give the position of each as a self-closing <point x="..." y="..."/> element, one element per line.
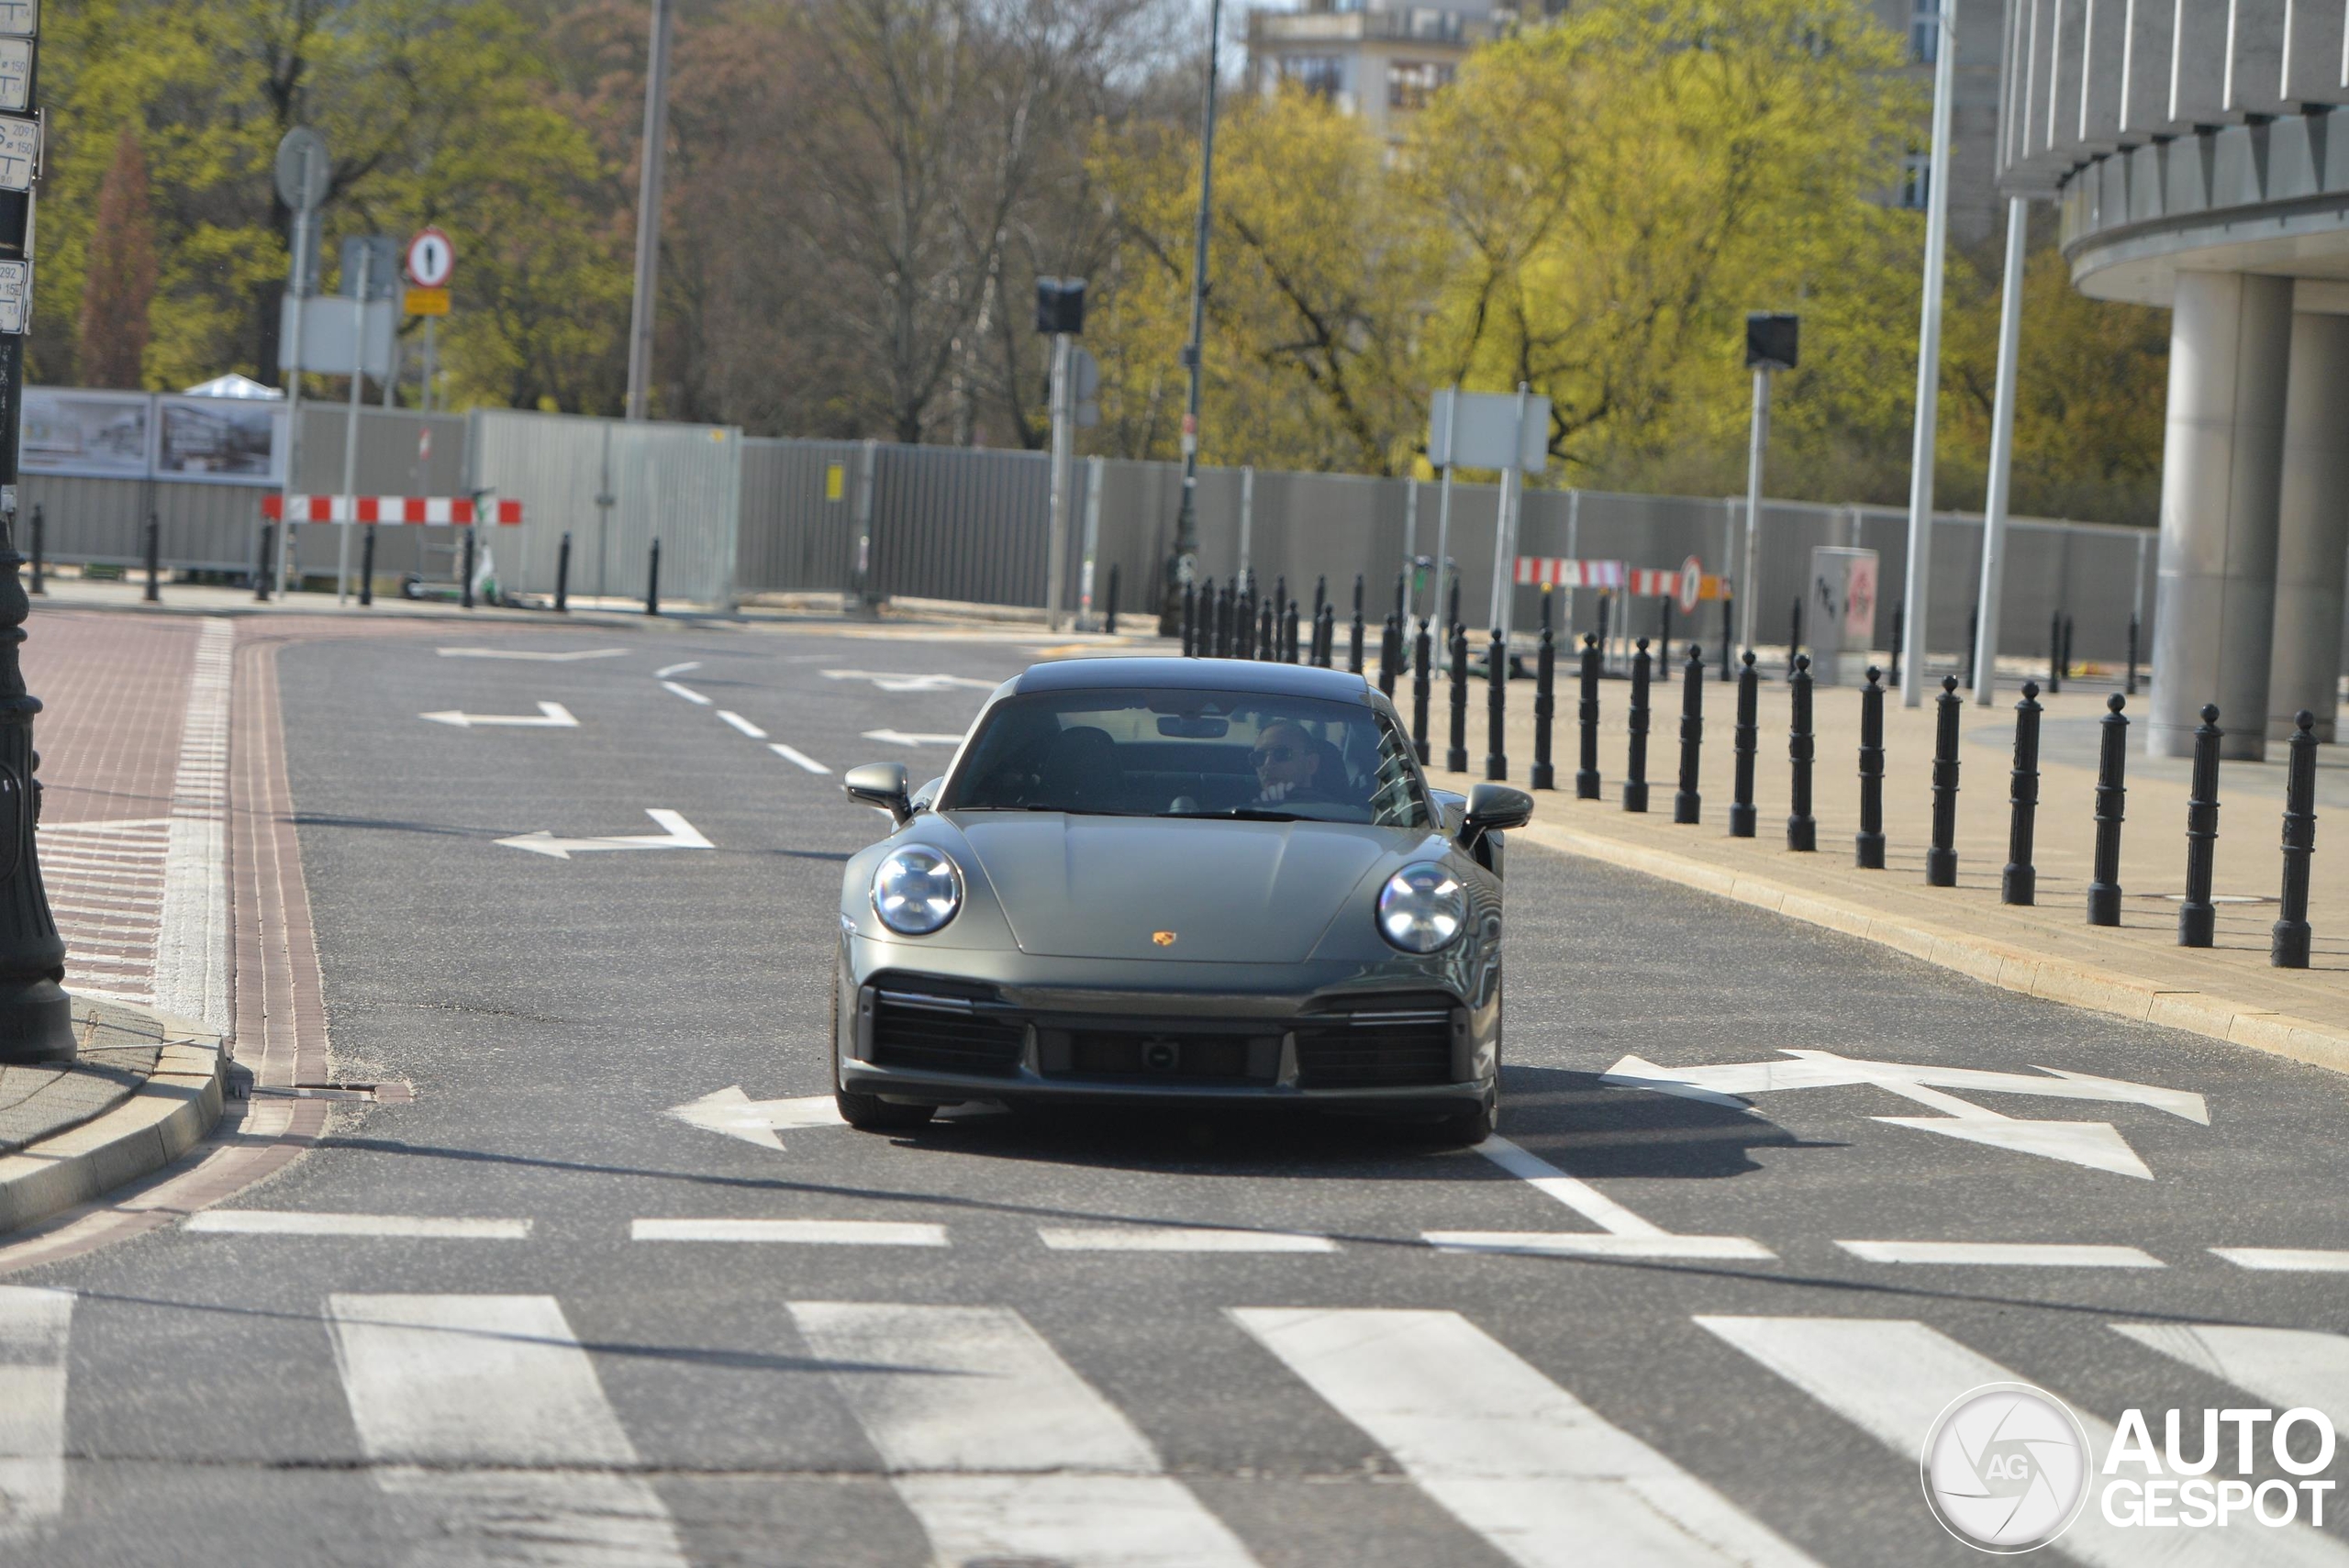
<point x="917" y="890"/>
<point x="1422" y="907"/>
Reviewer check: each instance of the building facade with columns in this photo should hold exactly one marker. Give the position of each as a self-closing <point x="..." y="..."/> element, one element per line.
<point x="2199" y="162"/>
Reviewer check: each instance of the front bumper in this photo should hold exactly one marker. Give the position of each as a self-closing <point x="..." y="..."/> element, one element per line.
<point x="1342" y="1040"/>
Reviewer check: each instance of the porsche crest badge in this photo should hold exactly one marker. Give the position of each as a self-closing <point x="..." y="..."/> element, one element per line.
<point x="1163" y="939"/>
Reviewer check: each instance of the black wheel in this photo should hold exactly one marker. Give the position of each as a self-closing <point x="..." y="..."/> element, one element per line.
<point x="871" y="1113"/>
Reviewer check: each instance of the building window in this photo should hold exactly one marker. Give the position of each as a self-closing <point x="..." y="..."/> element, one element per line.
<point x="1916" y="180"/>
<point x="1925" y="33"/>
<point x="1411" y="82"/>
<point x="1323" y="75"/>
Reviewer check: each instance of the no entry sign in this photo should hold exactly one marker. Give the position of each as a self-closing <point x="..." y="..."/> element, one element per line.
<point x="430" y="259"/>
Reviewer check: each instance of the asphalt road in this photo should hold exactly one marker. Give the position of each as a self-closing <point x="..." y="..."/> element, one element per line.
<point x="931" y="1380"/>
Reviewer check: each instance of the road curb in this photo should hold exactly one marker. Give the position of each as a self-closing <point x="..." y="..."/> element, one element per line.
<point x="168" y="1115"/>
<point x="2002" y="964"/>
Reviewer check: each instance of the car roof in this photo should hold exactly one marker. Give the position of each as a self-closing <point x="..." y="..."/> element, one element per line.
<point x="1194" y="674"/>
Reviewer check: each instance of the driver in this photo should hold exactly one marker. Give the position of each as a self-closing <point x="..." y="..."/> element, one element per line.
<point x="1290" y="765"/>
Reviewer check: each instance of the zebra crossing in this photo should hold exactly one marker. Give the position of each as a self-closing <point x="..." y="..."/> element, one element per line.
<point x="487" y="1429"/>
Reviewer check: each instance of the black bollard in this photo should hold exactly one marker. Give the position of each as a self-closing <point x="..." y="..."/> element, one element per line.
<point x="1900" y="632"/>
<point x="1390" y="657"/>
<point x="2132" y="686"/>
<point x="1545" y="675"/>
<point x="1802" y="828"/>
<point x="651" y="576"/>
<point x="1973" y="641"/>
<point x="1941" y="857"/>
<point x="154" y="560"/>
<point x="1794" y="637"/>
<point x="1744" y="736"/>
<point x="1280" y="611"/>
<point x="1729" y="634"/>
<point x="1402" y="599"/>
<point x="465" y="589"/>
<point x="2054" y="654"/>
<point x="1867" y="845"/>
<point x="1215" y="610"/>
<point x="2288" y="942"/>
<point x="1686" y="800"/>
<point x="1452" y="611"/>
<point x="2019" y="884"/>
<point x="268" y="548"/>
<point x="562" y="575"/>
<point x="1664" y="632"/>
<point x="1329" y="635"/>
<point x="2112" y="749"/>
<point x="1587" y="777"/>
<point x="41" y="554"/>
<point x="1497" y="707"/>
<point x="2197" y="917"/>
<point x="1268" y="631"/>
<point x="1109" y="621"/>
<point x="1606" y="602"/>
<point x="1455" y="756"/>
<point x="2068" y="645"/>
<point x="1243" y="625"/>
<point x="1635" y="768"/>
<point x="1353" y="631"/>
<point x="1320" y="595"/>
<point x="1422" y="656"/>
<point x="1290" y="651"/>
<point x="367" y="566"/>
<point x="1190" y="613"/>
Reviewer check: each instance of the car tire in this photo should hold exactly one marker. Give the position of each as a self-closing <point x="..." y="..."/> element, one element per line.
<point x="869" y="1113"/>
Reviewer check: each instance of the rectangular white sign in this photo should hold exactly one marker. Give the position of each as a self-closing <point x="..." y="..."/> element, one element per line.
<point x="1479" y="429"/>
<point x="15" y="73"/>
<point x="16" y="297"/>
<point x="19" y="151"/>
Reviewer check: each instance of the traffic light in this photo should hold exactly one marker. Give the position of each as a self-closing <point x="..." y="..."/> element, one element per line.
<point x="1060" y="305"/>
<point x="1770" y="339"/>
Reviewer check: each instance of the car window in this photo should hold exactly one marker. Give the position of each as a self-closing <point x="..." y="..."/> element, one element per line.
<point x="1188" y="753"/>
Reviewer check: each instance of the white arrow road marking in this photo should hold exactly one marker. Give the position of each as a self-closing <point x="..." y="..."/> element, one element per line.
<point x="526" y="653"/>
<point x="735" y="1114"/>
<point x="901" y="738"/>
<point x="2094" y="1144"/>
<point x="1626" y="1234"/>
<point x="744" y="725"/>
<point x="2288" y="1367"/>
<point x="792" y="754"/>
<point x="677" y="834"/>
<point x="897" y="681"/>
<point x="552" y="716"/>
<point x="687" y="692"/>
<point x="35" y="1325"/>
<point x="666" y="671"/>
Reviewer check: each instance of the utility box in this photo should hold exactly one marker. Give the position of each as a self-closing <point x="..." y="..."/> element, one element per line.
<point x="1839" y="615"/>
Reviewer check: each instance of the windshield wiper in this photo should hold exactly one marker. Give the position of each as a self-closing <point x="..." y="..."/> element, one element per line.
<point x="1258" y="814"/>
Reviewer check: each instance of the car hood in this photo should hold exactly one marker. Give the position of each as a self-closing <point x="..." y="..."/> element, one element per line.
<point x="1230" y="892"/>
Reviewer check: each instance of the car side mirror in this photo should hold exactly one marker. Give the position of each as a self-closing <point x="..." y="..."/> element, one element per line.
<point x="882" y="785"/>
<point x="1492" y="808"/>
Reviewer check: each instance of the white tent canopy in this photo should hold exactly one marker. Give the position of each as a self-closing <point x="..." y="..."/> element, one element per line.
<point x="233" y="385"/>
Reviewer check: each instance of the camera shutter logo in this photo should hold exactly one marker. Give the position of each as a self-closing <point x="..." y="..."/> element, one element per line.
<point x="2005" y="1468"/>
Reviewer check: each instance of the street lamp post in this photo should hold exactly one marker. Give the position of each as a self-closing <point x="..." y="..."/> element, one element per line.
<point x="644" y="308"/>
<point x="36" y="1016"/>
<point x="1917" y="591"/>
<point x="1184" y="567"/>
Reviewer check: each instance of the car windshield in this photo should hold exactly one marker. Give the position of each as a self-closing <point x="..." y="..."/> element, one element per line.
<point x="1189" y="753"/>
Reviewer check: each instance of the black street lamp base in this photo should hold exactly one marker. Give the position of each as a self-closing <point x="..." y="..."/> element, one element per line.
<point x="36" y="1024"/>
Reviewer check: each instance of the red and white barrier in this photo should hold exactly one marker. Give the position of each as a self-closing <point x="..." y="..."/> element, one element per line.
<point x="457" y="510"/>
<point x="1558" y="572"/>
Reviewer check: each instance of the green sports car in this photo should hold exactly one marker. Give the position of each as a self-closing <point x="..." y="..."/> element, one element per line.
<point x="1197" y="880"/>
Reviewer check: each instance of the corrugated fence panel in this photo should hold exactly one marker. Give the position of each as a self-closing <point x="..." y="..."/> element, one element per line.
<point x="797" y="537"/>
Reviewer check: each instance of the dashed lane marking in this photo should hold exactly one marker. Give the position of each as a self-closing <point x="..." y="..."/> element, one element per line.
<point x="666" y="671"/>
<point x="1178" y="1238"/>
<point x="2288" y="1260"/>
<point x="803" y="1232"/>
<point x="687" y="692"/>
<point x="793" y="754"/>
<point x="744" y="725"/>
<point x="2011" y="1254"/>
<point x="296" y="1222"/>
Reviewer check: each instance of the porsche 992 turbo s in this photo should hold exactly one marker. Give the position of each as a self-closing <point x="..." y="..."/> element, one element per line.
<point x="1175" y="879"/>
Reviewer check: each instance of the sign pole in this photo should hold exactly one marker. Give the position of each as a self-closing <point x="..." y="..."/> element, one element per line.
<point x="304" y="217"/>
<point x="351" y="431"/>
<point x="1918" y="589"/>
<point x="1757" y="443"/>
<point x="1985" y="673"/>
<point x="1056" y="546"/>
<point x="1444" y="504"/>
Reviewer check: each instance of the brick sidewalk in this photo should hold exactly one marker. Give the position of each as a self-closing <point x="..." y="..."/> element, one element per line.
<point x="2247" y="865"/>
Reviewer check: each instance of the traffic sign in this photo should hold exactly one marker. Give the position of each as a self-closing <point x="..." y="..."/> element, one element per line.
<point x="19" y="152"/>
<point x="303" y="169"/>
<point x="16" y="297"/>
<point x="431" y="260"/>
<point x="427" y="302"/>
<point x="19" y="18"/>
<point x="1692" y="581"/>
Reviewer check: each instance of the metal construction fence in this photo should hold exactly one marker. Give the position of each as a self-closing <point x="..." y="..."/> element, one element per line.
<point x="748" y="515"/>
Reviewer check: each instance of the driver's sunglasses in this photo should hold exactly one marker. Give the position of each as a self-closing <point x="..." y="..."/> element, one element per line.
<point x="1264" y="754"/>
